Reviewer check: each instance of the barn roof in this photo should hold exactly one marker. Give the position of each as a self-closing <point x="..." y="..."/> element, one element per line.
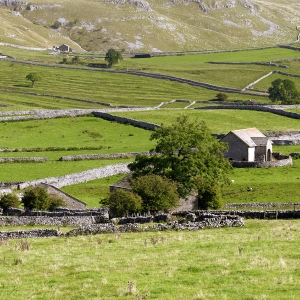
<point x="251" y="136"/>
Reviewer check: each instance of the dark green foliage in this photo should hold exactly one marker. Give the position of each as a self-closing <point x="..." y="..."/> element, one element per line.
<point x="122" y="202"/>
<point x="33" y="77"/>
<point x="55" y="202"/>
<point x="284" y="91"/>
<point x="38" y="198"/>
<point x="210" y="197"/>
<point x="158" y="193"/>
<point x="222" y="97"/>
<point x="56" y="25"/>
<point x="188" y="154"/>
<point x="113" y="56"/>
<point x="9" y="200"/>
<point x="76" y="60"/>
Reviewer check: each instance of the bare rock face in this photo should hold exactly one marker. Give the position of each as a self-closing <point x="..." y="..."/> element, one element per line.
<point x="12" y="2"/>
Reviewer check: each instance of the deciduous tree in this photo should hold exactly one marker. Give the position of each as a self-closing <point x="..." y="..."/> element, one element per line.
<point x="284" y="91"/>
<point x="38" y="198"/>
<point x="33" y="77"/>
<point x="157" y="193"/>
<point x="113" y="56"/>
<point x="9" y="200"/>
<point x="188" y="154"/>
<point x="122" y="202"/>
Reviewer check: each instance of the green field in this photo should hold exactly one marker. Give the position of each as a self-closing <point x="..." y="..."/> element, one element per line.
<point x="258" y="261"/>
<point x="220" y="120"/>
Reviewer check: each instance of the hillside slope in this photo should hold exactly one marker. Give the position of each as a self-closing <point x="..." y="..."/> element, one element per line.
<point x="17" y="31"/>
<point x="168" y="25"/>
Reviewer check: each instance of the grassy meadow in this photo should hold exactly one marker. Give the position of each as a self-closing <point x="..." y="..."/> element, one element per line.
<point x="220" y="120"/>
<point x="258" y="261"/>
<point x="81" y="82"/>
<point x="255" y="262"/>
<point x="269" y="185"/>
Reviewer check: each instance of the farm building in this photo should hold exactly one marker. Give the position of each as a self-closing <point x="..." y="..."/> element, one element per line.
<point x="64" y="48"/>
<point x="248" y="145"/>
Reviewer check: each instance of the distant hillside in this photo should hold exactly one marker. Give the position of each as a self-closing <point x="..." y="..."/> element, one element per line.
<point x="161" y="25"/>
<point x="17" y="31"/>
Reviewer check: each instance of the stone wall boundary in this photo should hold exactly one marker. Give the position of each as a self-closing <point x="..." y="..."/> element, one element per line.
<point x="124" y="120"/>
<point x="255" y="108"/>
<point x="102" y="156"/>
<point x="23" y="159"/>
<point x="281" y="160"/>
<point x="247" y="214"/>
<point x="80" y="177"/>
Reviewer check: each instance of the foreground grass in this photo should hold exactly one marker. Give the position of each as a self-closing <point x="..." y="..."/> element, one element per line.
<point x="257" y="261"/>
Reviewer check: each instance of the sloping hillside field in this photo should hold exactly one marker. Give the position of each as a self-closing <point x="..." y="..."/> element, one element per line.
<point x="257" y="261"/>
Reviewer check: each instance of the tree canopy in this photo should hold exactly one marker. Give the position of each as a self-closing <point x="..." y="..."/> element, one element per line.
<point x="188" y="154"/>
<point x="113" y="56"/>
<point x="284" y="91"/>
<point x="121" y="202"/>
<point x="33" y="77"/>
<point x="9" y="200"/>
<point x="157" y="193"/>
<point x="38" y="198"/>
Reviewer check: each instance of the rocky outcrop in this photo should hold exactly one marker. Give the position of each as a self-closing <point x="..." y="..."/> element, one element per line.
<point x="12" y="2"/>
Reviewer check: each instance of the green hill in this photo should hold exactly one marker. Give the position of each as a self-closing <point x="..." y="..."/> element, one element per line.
<point x="152" y="25"/>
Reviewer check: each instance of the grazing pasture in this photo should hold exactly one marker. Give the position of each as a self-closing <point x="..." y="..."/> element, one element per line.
<point x="258" y="261"/>
<point x="220" y="120"/>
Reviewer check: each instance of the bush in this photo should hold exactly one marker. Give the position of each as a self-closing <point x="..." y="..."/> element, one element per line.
<point x="158" y="193"/>
<point x="122" y="202"/>
<point x="210" y="198"/>
<point x="9" y="200"/>
<point x="55" y="202"/>
<point x="38" y="198"/>
<point x="222" y="97"/>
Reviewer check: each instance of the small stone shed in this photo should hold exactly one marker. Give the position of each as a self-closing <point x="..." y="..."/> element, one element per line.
<point x="248" y="145"/>
<point x="64" y="48"/>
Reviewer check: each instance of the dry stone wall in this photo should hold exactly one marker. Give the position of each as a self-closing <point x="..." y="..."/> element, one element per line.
<point x="256" y="108"/>
<point x="23" y="159"/>
<point x="123" y="120"/>
<point x="48" y="221"/>
<point x="80" y="177"/>
<point x="24" y="234"/>
<point x="102" y="156"/>
<point x="281" y="160"/>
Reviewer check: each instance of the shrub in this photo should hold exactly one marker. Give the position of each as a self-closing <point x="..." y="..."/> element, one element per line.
<point x="210" y="198"/>
<point x="38" y="198"/>
<point x="158" y="193"/>
<point x="222" y="97"/>
<point x="122" y="202"/>
<point x="9" y="200"/>
<point x="55" y="202"/>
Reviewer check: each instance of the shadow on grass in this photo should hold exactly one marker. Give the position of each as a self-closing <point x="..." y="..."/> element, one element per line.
<point x="102" y="66"/>
<point x="23" y="85"/>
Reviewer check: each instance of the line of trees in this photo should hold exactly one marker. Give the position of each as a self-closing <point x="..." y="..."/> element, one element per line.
<point x="33" y="198"/>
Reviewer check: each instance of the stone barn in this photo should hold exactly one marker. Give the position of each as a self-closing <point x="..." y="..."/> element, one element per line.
<point x="64" y="48"/>
<point x="248" y="145"/>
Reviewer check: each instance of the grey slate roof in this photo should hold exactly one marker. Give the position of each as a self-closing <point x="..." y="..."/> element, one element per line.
<point x="251" y="136"/>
